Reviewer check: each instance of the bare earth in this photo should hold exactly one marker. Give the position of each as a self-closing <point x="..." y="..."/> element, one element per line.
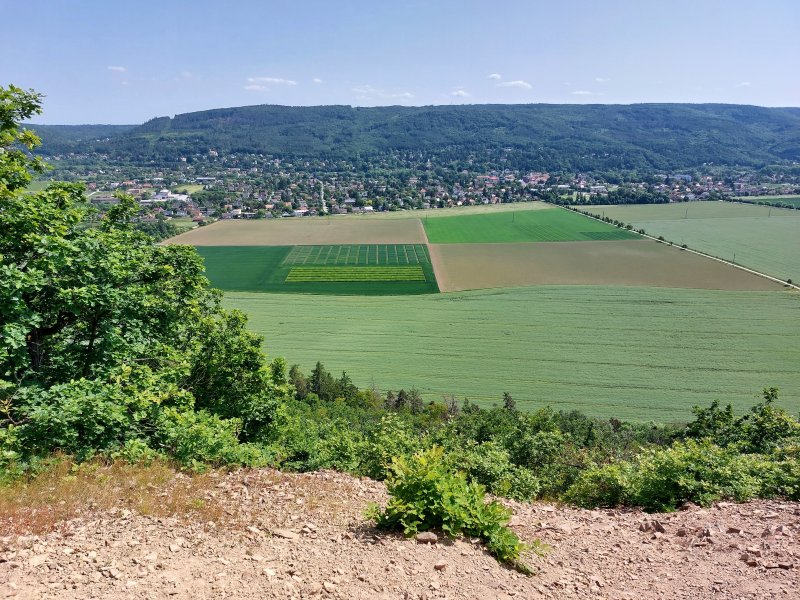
<point x="302" y="231"/>
<point x="632" y="262"/>
<point x="303" y="536"/>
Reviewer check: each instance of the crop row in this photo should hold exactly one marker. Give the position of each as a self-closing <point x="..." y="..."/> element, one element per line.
<point x="363" y="254"/>
<point x="405" y="273"/>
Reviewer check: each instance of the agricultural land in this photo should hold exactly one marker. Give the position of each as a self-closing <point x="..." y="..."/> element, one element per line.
<point x="758" y="237"/>
<point x="615" y="325"/>
<point x="629" y="352"/>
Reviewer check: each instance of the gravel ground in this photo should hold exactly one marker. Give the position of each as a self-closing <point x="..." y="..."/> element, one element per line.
<point x="304" y="536"/>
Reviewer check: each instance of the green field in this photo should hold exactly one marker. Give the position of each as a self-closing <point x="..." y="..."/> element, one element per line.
<point x="636" y="353"/>
<point x="337" y="273"/>
<point x="548" y="225"/>
<point x="758" y="237"/>
<point x="362" y="254"/>
<point x="793" y="200"/>
<point x="321" y="269"/>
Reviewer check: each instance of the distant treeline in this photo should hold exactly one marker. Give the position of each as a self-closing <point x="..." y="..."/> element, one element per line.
<point x="643" y="137"/>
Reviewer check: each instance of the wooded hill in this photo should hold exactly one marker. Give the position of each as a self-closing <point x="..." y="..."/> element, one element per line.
<point x="648" y="137"/>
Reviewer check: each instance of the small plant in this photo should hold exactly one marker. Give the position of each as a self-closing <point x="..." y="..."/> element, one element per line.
<point x="425" y="495"/>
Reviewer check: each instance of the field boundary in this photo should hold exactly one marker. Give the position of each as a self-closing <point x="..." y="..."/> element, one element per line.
<point x="698" y="252"/>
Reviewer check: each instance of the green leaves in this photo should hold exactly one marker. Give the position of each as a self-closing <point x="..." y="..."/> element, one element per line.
<point x="425" y="494"/>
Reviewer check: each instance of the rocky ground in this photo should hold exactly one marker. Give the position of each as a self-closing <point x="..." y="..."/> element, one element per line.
<point x="304" y="536"/>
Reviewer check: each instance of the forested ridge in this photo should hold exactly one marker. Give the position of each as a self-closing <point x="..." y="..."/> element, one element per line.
<point x="649" y="137"/>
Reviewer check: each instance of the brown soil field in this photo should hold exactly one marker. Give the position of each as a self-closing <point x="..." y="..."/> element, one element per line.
<point x="301" y="231"/>
<point x="461" y="267"/>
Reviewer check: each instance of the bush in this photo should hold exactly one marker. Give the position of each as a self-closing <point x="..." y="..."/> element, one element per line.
<point x="425" y="494"/>
<point x="689" y="471"/>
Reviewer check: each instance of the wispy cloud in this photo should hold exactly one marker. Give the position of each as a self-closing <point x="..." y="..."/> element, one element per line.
<point x="117" y="69"/>
<point x="366" y="90"/>
<point x="582" y="93"/>
<point x="495" y="76"/>
<point x="460" y="94"/>
<point x="317" y="80"/>
<point x="602" y="79"/>
<point x="517" y="83"/>
<point x="405" y="95"/>
<point x="253" y="87"/>
<point x="744" y="84"/>
<point x="271" y="80"/>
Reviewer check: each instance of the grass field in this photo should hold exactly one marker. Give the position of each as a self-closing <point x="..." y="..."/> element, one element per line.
<point x="634" y="353"/>
<point x="183" y="223"/>
<point x="793" y="200"/>
<point x="760" y="238"/>
<point x="189" y="188"/>
<point x="639" y="262"/>
<point x="301" y="269"/>
<point x="552" y="225"/>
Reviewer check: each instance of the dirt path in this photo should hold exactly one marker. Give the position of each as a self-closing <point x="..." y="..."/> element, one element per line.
<point x="303" y="536"/>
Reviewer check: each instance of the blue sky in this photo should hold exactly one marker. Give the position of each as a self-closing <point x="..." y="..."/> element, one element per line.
<point x="125" y="62"/>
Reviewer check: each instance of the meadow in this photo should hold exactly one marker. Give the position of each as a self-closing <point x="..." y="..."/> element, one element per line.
<point x="549" y="225"/>
<point x="351" y="270"/>
<point x="758" y="237"/>
<point x="628" y="352"/>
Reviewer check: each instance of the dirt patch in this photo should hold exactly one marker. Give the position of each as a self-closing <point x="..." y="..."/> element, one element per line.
<point x="637" y="263"/>
<point x="304" y="536"/>
<point x="302" y="231"/>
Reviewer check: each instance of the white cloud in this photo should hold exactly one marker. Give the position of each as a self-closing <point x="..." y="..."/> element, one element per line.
<point x="495" y="76"/>
<point x="317" y="80"/>
<point x="403" y="95"/>
<point x="517" y="83"/>
<point x="366" y="89"/>
<point x="602" y="79"/>
<point x="460" y="94"/>
<point x="255" y="87"/>
<point x="744" y="84"/>
<point x="126" y="83"/>
<point x="582" y="93"/>
<point x="117" y="69"/>
<point x="273" y="80"/>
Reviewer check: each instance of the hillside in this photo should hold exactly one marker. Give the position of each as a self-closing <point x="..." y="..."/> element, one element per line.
<point x="312" y="541"/>
<point x="649" y="137"/>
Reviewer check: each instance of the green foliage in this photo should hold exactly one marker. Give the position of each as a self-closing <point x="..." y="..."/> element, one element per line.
<point x="426" y="494"/>
<point x="108" y="341"/>
<point x="547" y="137"/>
<point x="664" y="478"/>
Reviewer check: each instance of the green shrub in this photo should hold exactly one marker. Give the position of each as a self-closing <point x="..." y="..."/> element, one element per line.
<point x="196" y="439"/>
<point x="425" y="494"/>
<point x="489" y="464"/>
<point x="605" y="486"/>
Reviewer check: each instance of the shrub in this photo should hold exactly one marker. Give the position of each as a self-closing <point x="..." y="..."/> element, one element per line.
<point x="606" y="486"/>
<point x="425" y="494"/>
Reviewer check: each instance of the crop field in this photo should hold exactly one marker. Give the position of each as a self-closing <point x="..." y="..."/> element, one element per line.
<point x="302" y="269"/>
<point x="404" y="273"/>
<point x="627" y="352"/>
<point x="305" y="231"/>
<point x="372" y="254"/>
<point x="759" y="237"/>
<point x="548" y="225"/>
<point x="793" y="200"/>
<point x="639" y="262"/>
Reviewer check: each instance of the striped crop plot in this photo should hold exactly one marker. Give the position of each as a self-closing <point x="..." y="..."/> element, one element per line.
<point x="406" y="273"/>
<point x="367" y="269"/>
<point x="363" y="254"/>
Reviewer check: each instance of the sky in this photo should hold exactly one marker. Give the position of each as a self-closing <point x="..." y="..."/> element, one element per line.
<point x="126" y="62"/>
